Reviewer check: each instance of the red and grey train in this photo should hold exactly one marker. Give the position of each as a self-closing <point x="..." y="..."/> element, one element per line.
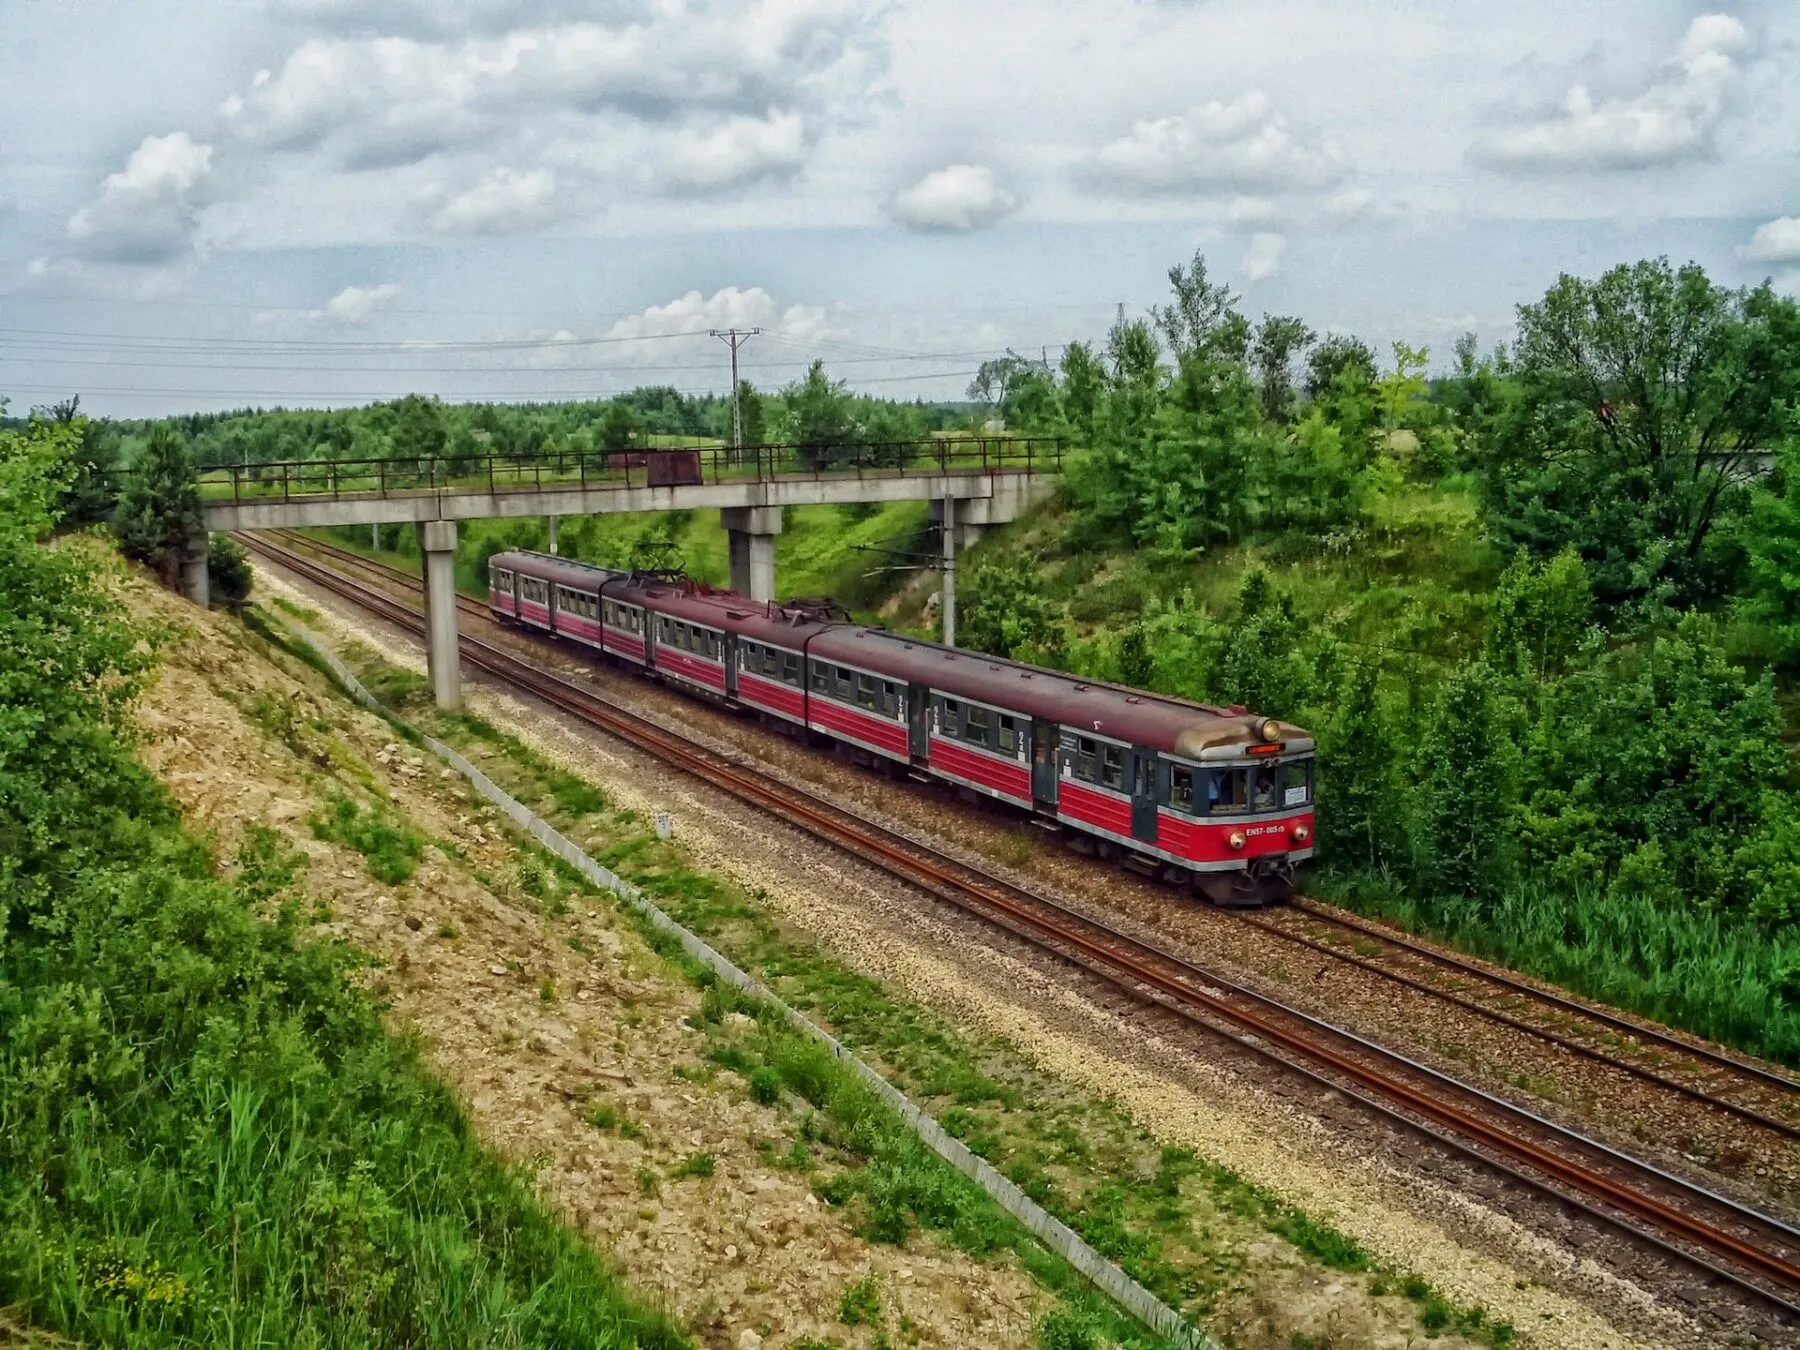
<point x="1215" y="796"/>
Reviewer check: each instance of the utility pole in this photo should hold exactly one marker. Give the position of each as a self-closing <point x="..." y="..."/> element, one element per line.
<point x="734" y="337"/>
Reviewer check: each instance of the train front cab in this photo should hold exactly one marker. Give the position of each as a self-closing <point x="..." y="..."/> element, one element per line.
<point x="1237" y="827"/>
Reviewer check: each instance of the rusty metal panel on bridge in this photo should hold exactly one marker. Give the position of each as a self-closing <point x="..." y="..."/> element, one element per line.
<point x="674" y="468"/>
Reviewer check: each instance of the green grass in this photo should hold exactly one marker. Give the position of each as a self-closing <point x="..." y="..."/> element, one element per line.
<point x="390" y="846"/>
<point x="206" y="1136"/>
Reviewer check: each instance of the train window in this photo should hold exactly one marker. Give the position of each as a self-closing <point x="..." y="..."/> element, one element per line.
<point x="1009" y="736"/>
<point x="1181" y="787"/>
<point x="890" y="699"/>
<point x="866" y="696"/>
<point x="977" y="725"/>
<point x="1112" y="767"/>
<point x="710" y="640"/>
<point x="1265" y="787"/>
<point x="1084" y="759"/>
<point x="842" y="685"/>
<point x="790" y="668"/>
<point x="820" y="677"/>
<point x="950" y="719"/>
<point x="1227" y="790"/>
<point x="1296" y="782"/>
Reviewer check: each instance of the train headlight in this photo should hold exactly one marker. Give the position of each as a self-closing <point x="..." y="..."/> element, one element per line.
<point x="1270" y="730"/>
<point x="1301" y="834"/>
<point x="1236" y="839"/>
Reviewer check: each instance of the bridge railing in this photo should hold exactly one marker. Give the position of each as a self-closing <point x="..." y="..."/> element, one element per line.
<point x="678" y="466"/>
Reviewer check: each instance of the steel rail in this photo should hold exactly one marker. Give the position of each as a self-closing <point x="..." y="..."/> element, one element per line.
<point x="1196" y="994"/>
<point x="1642" y="1031"/>
<point x="1505" y="1019"/>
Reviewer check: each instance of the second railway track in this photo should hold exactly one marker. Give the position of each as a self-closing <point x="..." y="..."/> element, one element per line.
<point x="1731" y="1241"/>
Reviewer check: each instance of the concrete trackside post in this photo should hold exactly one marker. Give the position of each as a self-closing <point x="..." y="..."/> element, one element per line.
<point x="552" y="524"/>
<point x="196" y="581"/>
<point x="750" y="534"/>
<point x="437" y="539"/>
<point x="947" y="610"/>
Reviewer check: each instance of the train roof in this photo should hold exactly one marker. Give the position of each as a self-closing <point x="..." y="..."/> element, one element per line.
<point x="760" y="620"/>
<point x="563" y="571"/>
<point x="1170" y="725"/>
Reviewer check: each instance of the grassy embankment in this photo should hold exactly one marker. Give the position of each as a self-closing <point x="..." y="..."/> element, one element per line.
<point x="1183" y="1226"/>
<point x="206" y="1134"/>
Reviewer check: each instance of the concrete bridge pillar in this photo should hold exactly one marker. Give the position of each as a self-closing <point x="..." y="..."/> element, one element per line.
<point x="196" y="581"/>
<point x="437" y="538"/>
<point x="750" y="533"/>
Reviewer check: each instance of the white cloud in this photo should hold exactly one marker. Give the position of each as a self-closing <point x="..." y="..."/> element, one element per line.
<point x="1262" y="260"/>
<point x="503" y="202"/>
<point x="1776" y="242"/>
<point x="1238" y="146"/>
<point x="144" y="214"/>
<point x="692" y="315"/>
<point x="355" y="305"/>
<point x="1672" y="120"/>
<point x="956" y="199"/>
<point x="743" y="84"/>
<point x="732" y="153"/>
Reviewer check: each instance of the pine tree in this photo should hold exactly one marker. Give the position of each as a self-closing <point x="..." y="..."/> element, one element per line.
<point x="159" y="510"/>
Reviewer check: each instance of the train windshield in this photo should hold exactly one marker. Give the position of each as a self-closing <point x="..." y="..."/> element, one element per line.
<point x="1231" y="791"/>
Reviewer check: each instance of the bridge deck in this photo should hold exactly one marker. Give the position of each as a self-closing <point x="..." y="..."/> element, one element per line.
<point x="291" y="494"/>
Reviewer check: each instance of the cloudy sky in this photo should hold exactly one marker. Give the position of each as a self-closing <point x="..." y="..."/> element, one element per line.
<point x="209" y="204"/>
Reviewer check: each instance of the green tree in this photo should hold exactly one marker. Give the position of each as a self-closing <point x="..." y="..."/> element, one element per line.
<point x="159" y="510"/>
<point x="752" y="414"/>
<point x="1640" y="396"/>
<point x="824" y="426"/>
<point x="1003" y="611"/>
<point x="1465" y="789"/>
<point x="1279" y="341"/>
<point x="1202" y="319"/>
<point x="1542" y="614"/>
<point x="1334" y="358"/>
<point x="228" y="572"/>
<point x="419" y="431"/>
<point x="1083" y="388"/>
<point x="618" y="427"/>
<point x="1771" y="538"/>
<point x="1647" y="770"/>
<point x="69" y="664"/>
<point x="1359" y="816"/>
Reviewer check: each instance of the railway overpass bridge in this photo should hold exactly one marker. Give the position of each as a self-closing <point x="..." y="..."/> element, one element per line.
<point x="972" y="483"/>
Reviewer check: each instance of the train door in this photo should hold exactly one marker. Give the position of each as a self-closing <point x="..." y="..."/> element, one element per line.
<point x="1043" y="763"/>
<point x="728" y="648"/>
<point x="1143" y="794"/>
<point x="918" y="721"/>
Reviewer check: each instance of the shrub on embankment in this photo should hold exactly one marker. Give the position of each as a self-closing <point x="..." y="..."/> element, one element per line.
<point x="206" y="1135"/>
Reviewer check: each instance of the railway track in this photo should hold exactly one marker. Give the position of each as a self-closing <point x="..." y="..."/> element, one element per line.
<point x="1722" y="1237"/>
<point x="1700" y="1073"/>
